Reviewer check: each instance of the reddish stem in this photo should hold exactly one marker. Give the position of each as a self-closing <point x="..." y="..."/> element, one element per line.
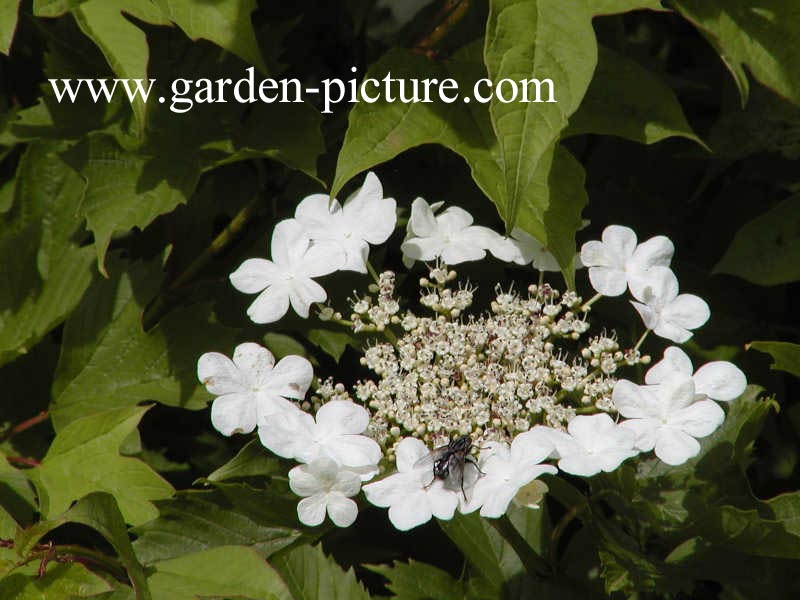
<point x="22" y="460"/>
<point x="27" y="424"/>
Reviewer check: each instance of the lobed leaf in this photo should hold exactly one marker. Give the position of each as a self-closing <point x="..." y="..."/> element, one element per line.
<point x="84" y="458"/>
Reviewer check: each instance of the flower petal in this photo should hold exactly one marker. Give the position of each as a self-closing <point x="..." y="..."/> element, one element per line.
<point x="532" y="446"/>
<point x="347" y="483"/>
<point x="342" y="416"/>
<point x="315" y="213"/>
<point x="289" y="243"/>
<point x="254" y="360"/>
<point x="608" y="281"/>
<point x="220" y="376"/>
<point x="342" y="511"/>
<point x="634" y="401"/>
<point x="620" y="242"/>
<point x="370" y="214"/>
<point x="408" y="452"/>
<point x="700" y="419"/>
<point x="254" y="274"/>
<point x="270" y="305"/>
<point x="675" y="447"/>
<point x="234" y="413"/>
<point x="411" y="511"/>
<point x="303" y="481"/>
<point x="291" y="377"/>
<point x="321" y="258"/>
<point x="675" y="361"/>
<point x="645" y="431"/>
<point x="457" y="252"/>
<point x="720" y="380"/>
<point x="687" y="311"/>
<point x="353" y="450"/>
<point x="311" y="510"/>
<point x="302" y="293"/>
<point x="655" y="252"/>
<point x="422" y="222"/>
<point x="422" y="248"/>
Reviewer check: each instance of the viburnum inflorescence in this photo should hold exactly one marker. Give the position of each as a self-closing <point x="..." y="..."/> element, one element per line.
<point x="535" y="383"/>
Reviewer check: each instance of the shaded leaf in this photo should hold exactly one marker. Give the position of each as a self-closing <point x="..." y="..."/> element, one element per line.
<point x="84" y="458"/>
<point x="120" y="193"/>
<point x="764" y="37"/>
<point x="332" y="343"/>
<point x="224" y="22"/>
<point x="44" y="271"/>
<point x="100" y="512"/>
<point x="252" y="460"/>
<point x="225" y="571"/>
<point x="765" y="250"/>
<point x="419" y="581"/>
<point x="8" y="23"/>
<point x="61" y="582"/>
<point x="108" y="361"/>
<point x="540" y="39"/>
<point x="627" y="100"/>
<point x="610" y="7"/>
<point x="786" y="356"/>
<point x="196" y="521"/>
<point x="309" y="575"/>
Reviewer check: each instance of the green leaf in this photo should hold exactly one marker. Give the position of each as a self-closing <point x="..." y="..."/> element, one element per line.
<point x="552" y="205"/>
<point x="627" y="100"/>
<point x="765" y="250"/>
<point x="123" y="44"/>
<point x="419" y="581"/>
<point x="226" y="571"/>
<point x="332" y="343"/>
<point x="540" y="39"/>
<point x="61" y="582"/>
<point x="786" y="356"/>
<point x="54" y="8"/>
<point x="764" y="37"/>
<point x="16" y="492"/>
<point x="251" y="461"/>
<point x="9" y="10"/>
<point x="482" y="546"/>
<point x="310" y="574"/>
<point x="224" y="22"/>
<point x="100" y="512"/>
<point x="44" y="271"/>
<point x="196" y="521"/>
<point x="611" y="7"/>
<point x="121" y="193"/>
<point x="84" y="458"/>
<point x="380" y="131"/>
<point x="108" y="361"/>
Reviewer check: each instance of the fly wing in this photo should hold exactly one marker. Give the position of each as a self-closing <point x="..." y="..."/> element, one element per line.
<point x="455" y="473"/>
<point x="426" y="462"/>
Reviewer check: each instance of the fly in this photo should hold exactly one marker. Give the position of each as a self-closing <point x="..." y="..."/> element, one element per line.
<point x="449" y="462"/>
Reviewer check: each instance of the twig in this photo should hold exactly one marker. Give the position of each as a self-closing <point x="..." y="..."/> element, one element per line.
<point x="27" y="424"/>
<point x="219" y="243"/>
<point x="451" y="12"/>
<point x="534" y="564"/>
<point x="22" y="460"/>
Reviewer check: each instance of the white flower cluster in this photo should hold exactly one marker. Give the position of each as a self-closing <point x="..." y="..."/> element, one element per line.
<point x="524" y="384"/>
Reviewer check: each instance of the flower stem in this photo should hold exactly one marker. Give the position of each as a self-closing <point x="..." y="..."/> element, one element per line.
<point x="641" y="340"/>
<point x="167" y="297"/>
<point x="541" y="279"/>
<point x="373" y="272"/>
<point x="20" y="427"/>
<point x="534" y="564"/>
<point x="588" y="304"/>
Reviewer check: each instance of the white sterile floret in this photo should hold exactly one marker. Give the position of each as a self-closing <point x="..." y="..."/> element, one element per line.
<point x="523" y="249"/>
<point x="325" y="487"/>
<point x="409" y="494"/>
<point x="366" y="218"/>
<point x="450" y="235"/>
<point x="251" y="385"/>
<point x="670" y="315"/>
<point x="719" y="380"/>
<point x="592" y="443"/>
<point x="618" y="262"/>
<point x="667" y="417"/>
<point x="335" y="433"/>
<point x="506" y="470"/>
<point x="287" y="278"/>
